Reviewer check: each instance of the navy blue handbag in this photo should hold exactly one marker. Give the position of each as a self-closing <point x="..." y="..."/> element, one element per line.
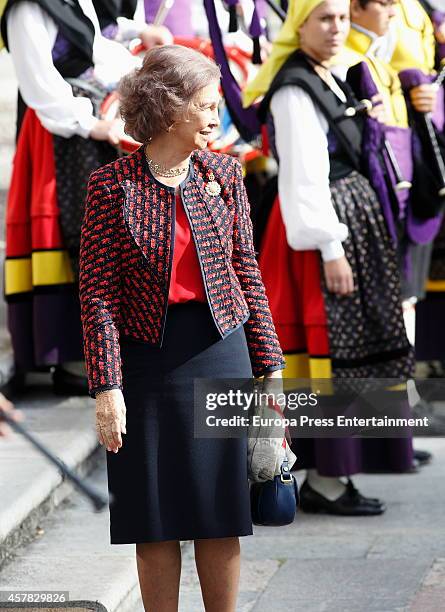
<point x="275" y="502"/>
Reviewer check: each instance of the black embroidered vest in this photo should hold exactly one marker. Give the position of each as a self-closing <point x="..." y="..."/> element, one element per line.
<point x="345" y="133"/>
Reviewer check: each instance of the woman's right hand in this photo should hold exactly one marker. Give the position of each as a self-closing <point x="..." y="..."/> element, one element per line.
<point x="338" y="275"/>
<point x="110" y="419"/>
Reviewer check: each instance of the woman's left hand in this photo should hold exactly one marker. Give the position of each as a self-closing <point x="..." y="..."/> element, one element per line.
<point x="274" y="374"/>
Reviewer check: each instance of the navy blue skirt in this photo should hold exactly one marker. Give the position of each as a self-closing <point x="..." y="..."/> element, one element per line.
<point x="166" y="484"/>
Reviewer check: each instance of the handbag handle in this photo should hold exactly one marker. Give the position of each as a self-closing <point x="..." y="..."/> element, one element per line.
<point x="285" y="475"/>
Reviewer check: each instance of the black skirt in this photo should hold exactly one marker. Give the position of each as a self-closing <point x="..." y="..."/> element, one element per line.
<point x="166" y="484"/>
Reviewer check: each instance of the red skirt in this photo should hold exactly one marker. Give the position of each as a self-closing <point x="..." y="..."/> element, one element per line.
<point x="293" y="283"/>
<point x="40" y="288"/>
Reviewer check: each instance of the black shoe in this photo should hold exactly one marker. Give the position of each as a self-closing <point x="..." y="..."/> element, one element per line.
<point x="350" y="503"/>
<point x="422" y="457"/>
<point x="66" y="383"/>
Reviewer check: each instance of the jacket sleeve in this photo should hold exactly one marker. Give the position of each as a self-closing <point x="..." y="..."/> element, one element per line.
<point x="264" y="348"/>
<point x="99" y="280"/>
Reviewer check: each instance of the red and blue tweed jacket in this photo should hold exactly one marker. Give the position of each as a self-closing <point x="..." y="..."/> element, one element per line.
<point x="126" y="256"/>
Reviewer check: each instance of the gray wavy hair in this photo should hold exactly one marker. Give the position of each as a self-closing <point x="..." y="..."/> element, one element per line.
<point x="159" y="93"/>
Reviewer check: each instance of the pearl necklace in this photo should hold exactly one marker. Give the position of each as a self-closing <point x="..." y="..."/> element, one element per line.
<point x="161" y="170"/>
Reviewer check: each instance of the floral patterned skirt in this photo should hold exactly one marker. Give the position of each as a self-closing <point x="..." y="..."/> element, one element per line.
<point x="366" y="330"/>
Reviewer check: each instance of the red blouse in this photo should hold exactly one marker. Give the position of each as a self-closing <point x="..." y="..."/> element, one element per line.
<point x="186" y="282"/>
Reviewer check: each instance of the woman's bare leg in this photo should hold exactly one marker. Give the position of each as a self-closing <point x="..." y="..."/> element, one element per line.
<point x="159" y="570"/>
<point x="218" y="565"/>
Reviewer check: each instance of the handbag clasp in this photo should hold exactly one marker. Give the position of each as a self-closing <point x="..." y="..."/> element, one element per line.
<point x="285" y="476"/>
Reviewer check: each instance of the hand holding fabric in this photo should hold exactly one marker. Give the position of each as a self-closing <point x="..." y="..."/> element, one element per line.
<point x="423" y="97"/>
<point x="378" y="110"/>
<point x="439" y="32"/>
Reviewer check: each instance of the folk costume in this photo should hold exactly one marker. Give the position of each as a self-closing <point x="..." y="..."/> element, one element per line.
<point x="66" y="62"/>
<point x="408" y="230"/>
<point x="414" y="42"/>
<point x="379" y="77"/>
<point x="361" y="46"/>
<point x="415" y="48"/>
<point x="171" y="291"/>
<point x="326" y="206"/>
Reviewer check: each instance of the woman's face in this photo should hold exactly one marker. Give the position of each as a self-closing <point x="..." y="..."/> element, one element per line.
<point x="324" y="32"/>
<point x="195" y="131"/>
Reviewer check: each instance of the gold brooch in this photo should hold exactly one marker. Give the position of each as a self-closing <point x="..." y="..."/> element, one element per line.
<point x="213" y="188"/>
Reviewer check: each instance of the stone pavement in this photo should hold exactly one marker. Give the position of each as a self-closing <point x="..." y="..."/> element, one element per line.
<point x="391" y="563"/>
<point x="333" y="564"/>
<point x="30" y="487"/>
<point x="71" y="552"/>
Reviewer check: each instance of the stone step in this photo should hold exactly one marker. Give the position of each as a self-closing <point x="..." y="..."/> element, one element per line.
<point x="30" y="486"/>
<point x="74" y="542"/>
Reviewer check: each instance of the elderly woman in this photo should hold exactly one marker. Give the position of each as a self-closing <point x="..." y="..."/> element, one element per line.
<point x="170" y="291"/>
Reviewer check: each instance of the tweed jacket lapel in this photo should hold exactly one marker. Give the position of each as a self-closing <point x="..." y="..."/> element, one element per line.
<point x="147" y="211"/>
<point x="216" y="208"/>
<point x="148" y="206"/>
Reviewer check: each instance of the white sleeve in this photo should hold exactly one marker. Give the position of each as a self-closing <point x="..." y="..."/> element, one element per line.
<point x="111" y="59"/>
<point x="303" y="175"/>
<point x="31" y="36"/>
<point x="131" y="28"/>
<point x="128" y="29"/>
